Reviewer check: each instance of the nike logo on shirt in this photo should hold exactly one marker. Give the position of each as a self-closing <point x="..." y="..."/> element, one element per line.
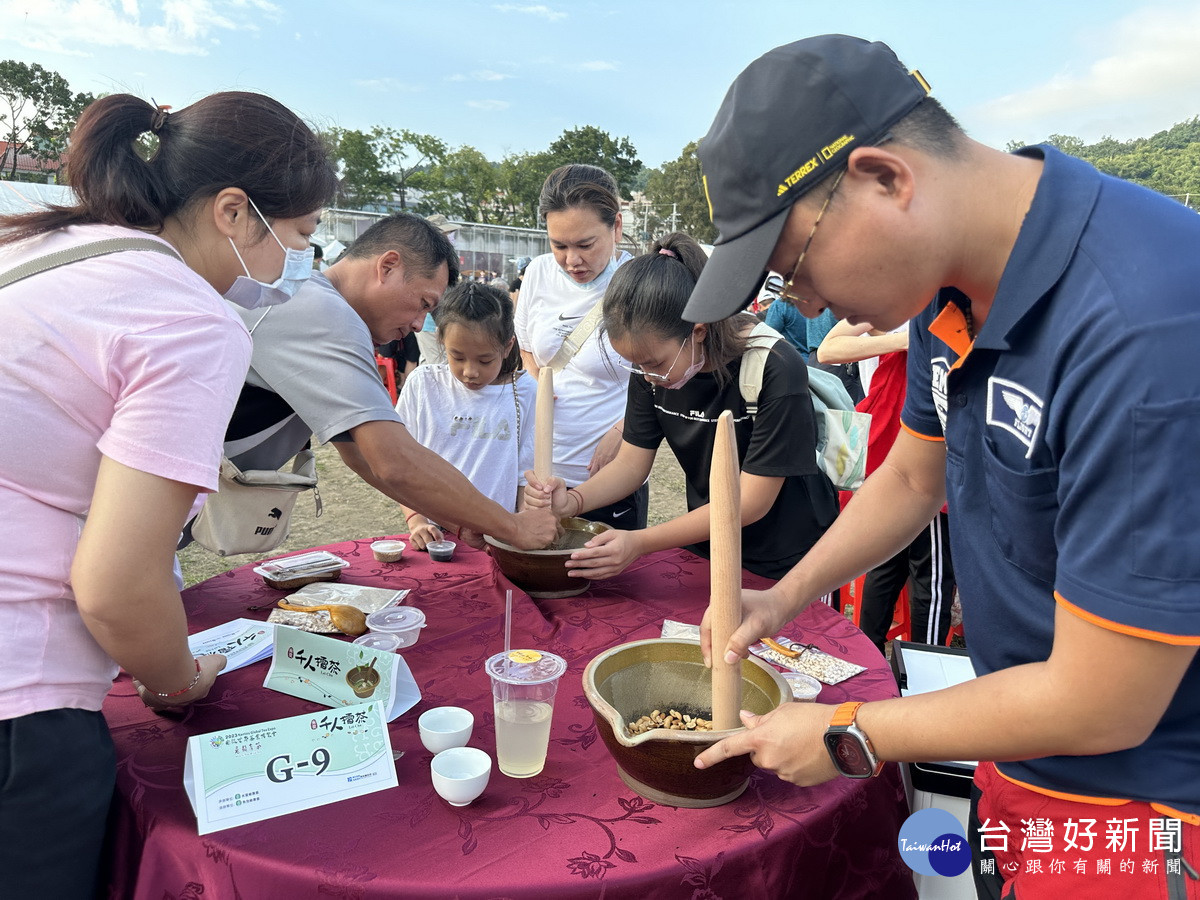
<point x="618" y="515"/>
<point x="563" y="318"/>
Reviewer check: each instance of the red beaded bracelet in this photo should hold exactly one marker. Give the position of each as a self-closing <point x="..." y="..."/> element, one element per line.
<point x="195" y="681"/>
<point x="408" y="518"/>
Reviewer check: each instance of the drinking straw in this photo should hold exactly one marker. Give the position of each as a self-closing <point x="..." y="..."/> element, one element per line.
<point x="507" y="631"/>
<point x="507" y="622"/>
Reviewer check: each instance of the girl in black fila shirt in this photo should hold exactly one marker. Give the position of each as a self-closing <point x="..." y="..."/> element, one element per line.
<point x="684" y="377"/>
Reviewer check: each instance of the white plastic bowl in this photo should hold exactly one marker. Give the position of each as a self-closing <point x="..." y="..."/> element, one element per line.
<point x="405" y="622"/>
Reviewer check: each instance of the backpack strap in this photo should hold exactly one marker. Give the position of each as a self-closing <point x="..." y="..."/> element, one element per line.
<point x="574" y="341"/>
<point x="754" y="362"/>
<point x="83" y="251"/>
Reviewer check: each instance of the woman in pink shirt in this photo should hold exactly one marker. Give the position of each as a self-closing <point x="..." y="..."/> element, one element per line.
<point x="118" y="373"/>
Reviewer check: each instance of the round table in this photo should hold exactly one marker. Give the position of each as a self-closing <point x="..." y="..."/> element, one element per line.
<point x="575" y="830"/>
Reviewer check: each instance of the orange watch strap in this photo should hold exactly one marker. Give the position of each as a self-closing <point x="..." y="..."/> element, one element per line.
<point x="844" y="714"/>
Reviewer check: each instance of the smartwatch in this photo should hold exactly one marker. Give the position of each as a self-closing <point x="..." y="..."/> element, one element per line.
<point x="849" y="747"/>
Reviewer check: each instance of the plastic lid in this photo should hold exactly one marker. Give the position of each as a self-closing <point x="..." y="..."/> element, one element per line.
<point x="314" y="563"/>
<point x="389" y="544"/>
<point x="803" y="686"/>
<point x="396" y="618"/>
<point x="440" y="545"/>
<point x="379" y="640"/>
<point x="526" y="667"/>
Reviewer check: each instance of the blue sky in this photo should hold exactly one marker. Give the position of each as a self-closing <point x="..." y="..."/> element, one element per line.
<point x="510" y="76"/>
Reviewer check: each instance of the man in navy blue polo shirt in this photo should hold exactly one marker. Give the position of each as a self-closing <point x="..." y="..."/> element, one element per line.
<point x="1053" y="399"/>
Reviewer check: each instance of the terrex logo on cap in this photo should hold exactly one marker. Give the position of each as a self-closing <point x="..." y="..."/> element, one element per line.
<point x="789" y="120"/>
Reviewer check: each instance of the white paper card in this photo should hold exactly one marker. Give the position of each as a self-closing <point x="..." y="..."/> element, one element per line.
<point x="339" y="673"/>
<point x="926" y="671"/>
<point x="242" y="641"/>
<point x="261" y="771"/>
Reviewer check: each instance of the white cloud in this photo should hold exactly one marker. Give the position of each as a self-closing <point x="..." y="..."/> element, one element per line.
<point x="72" y="27"/>
<point x="482" y="75"/>
<point x="597" y="65"/>
<point x="488" y="105"/>
<point x="1146" y="77"/>
<point x="545" y="12"/>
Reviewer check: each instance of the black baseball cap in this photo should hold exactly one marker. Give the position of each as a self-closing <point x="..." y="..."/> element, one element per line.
<point x="786" y="124"/>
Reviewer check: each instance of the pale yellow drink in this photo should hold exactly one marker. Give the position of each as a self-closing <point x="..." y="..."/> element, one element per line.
<point x="524" y="683"/>
<point x="522" y="736"/>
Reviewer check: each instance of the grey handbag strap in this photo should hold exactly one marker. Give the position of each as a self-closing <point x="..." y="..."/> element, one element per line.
<point x="83" y="251"/>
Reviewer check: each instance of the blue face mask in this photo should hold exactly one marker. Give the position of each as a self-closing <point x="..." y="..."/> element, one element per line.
<point x="251" y="294"/>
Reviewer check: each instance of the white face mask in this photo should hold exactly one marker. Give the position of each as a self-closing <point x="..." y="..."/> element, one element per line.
<point x="251" y="294"/>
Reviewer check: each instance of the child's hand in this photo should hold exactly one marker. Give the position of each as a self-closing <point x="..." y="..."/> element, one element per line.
<point x="606" y="555"/>
<point x="424" y="533"/>
<point x="550" y="494"/>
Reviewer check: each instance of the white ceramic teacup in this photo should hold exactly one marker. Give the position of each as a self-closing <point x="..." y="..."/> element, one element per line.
<point x="460" y="774"/>
<point x="444" y="727"/>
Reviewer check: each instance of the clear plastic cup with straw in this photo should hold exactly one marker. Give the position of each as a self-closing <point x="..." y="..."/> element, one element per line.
<point x="524" y="683"/>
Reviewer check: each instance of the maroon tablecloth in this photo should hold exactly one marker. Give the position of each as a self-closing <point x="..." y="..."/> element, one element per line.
<point x="574" y="831"/>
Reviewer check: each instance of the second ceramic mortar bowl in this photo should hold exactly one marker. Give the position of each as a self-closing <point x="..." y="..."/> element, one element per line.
<point x="632" y="680"/>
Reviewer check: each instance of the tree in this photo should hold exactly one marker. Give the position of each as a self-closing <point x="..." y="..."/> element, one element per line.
<point x="595" y="147"/>
<point x="464" y="185"/>
<point x="520" y="178"/>
<point x="678" y="185"/>
<point x="1168" y="162"/>
<point x="403" y="153"/>
<point x="375" y="168"/>
<point x="361" y="181"/>
<point x="37" y="111"/>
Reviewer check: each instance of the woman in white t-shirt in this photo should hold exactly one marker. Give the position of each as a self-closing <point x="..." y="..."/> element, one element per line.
<point x="476" y="409"/>
<point x="582" y="209"/>
<point x="118" y="374"/>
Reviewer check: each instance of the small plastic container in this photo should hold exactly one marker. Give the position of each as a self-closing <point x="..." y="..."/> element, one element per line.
<point x="405" y="622"/>
<point x="441" y="551"/>
<point x="804" y="687"/>
<point x="389" y="551"/>
<point x="290" y="572"/>
<point x="385" y="641"/>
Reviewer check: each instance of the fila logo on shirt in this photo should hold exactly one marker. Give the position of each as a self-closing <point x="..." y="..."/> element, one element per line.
<point x="1015" y="409"/>
<point x="477" y="429"/>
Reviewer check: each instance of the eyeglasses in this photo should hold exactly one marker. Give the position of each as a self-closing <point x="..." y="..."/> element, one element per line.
<point x="666" y="376"/>
<point x="788" y="293"/>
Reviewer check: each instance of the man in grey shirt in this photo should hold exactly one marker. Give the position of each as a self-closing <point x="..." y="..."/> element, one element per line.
<point x="313" y="374"/>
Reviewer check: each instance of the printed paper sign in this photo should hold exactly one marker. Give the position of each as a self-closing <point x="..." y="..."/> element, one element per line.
<point x="242" y="641"/>
<point x="338" y="673"/>
<point x="261" y="771"/>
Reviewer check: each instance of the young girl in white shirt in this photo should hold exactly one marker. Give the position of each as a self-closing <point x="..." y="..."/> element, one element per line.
<point x="476" y="409"/>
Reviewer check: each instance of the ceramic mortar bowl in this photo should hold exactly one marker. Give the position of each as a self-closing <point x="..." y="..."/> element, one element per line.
<point x="632" y="680"/>
<point x="543" y="573"/>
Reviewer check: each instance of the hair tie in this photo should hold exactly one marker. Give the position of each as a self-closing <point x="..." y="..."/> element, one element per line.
<point x="671" y="253"/>
<point x="159" y="119"/>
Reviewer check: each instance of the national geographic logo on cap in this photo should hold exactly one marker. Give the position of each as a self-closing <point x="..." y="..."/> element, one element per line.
<point x="825" y="154"/>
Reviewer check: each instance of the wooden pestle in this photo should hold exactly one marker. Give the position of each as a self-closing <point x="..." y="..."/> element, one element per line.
<point x="543" y="432"/>
<point x="725" y="599"/>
